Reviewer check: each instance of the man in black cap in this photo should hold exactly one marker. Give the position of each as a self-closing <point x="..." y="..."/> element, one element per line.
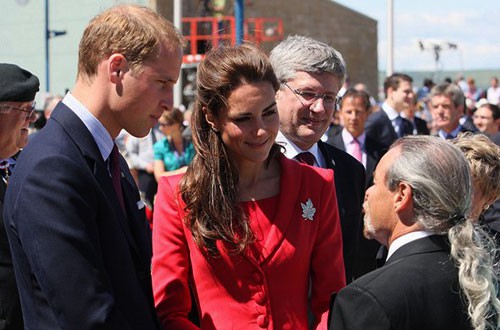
<point x="17" y="92"/>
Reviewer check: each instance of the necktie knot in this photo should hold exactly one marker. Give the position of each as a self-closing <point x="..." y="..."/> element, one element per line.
<point x="306" y="157"/>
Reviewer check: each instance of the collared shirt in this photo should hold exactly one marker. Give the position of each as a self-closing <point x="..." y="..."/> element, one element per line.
<point x="453" y="133"/>
<point x="292" y="150"/>
<point x="96" y="128"/>
<point x="391" y="113"/>
<point x="405" y="239"/>
<point x="348" y="143"/>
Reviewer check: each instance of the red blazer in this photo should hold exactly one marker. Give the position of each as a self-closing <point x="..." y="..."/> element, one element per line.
<point x="247" y="292"/>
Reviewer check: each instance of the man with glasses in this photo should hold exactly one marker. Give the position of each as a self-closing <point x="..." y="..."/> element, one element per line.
<point x="311" y="74"/>
<point x="18" y="88"/>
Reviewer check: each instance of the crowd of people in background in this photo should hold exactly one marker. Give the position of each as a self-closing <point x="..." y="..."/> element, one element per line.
<point x="285" y="196"/>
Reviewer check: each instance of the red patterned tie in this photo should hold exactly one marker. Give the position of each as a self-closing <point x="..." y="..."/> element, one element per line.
<point x="306" y="158"/>
<point x="116" y="175"/>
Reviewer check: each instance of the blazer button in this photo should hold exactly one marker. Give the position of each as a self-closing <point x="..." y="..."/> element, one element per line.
<point x="260" y="298"/>
<point x="262" y="321"/>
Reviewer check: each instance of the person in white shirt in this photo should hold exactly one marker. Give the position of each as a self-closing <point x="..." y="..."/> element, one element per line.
<point x="493" y="92"/>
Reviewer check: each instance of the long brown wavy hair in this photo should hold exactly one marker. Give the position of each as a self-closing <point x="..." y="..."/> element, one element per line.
<point x="210" y="186"/>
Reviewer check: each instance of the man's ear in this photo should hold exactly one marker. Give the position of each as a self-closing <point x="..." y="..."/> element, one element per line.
<point x="210" y="119"/>
<point x="403" y="203"/>
<point x="117" y="66"/>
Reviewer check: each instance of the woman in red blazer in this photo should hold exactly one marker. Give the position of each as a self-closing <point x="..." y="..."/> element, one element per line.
<point x="245" y="232"/>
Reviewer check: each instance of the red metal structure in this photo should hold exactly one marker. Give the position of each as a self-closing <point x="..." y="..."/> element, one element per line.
<point x="203" y="33"/>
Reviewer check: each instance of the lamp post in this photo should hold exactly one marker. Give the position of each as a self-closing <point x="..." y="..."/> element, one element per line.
<point x="49" y="34"/>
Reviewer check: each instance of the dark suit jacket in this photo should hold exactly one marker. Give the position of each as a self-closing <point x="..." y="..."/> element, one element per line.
<point x="378" y="127"/>
<point x="421" y="126"/>
<point x="416" y="289"/>
<point x="366" y="250"/>
<point x="374" y="151"/>
<point x="350" y="187"/>
<point x="80" y="261"/>
<point x="11" y="317"/>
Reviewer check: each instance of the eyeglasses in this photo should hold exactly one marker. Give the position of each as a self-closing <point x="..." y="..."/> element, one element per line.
<point x="329" y="100"/>
<point x="5" y="109"/>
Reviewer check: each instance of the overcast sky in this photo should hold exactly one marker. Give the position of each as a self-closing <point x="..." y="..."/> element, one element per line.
<point x="473" y="25"/>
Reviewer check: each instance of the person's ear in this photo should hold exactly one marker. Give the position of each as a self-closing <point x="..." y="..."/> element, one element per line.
<point x="117" y="66"/>
<point x="403" y="203"/>
<point x="210" y="119"/>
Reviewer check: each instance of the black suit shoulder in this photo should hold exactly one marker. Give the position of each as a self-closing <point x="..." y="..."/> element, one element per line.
<point x="403" y="293"/>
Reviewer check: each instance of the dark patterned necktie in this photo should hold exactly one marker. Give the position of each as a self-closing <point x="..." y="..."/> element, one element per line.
<point x="306" y="158"/>
<point x="5" y="170"/>
<point x="114" y="167"/>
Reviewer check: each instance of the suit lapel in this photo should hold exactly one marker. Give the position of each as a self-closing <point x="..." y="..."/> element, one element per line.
<point x="79" y="133"/>
<point x="330" y="162"/>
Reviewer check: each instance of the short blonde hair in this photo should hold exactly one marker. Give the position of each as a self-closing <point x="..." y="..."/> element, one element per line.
<point x="131" y="30"/>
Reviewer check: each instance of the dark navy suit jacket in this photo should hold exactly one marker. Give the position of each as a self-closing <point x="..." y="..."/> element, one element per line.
<point x="378" y="127"/>
<point x="350" y="188"/>
<point x="11" y="317"/>
<point x="416" y="289"/>
<point x="80" y="261"/>
<point x="364" y="259"/>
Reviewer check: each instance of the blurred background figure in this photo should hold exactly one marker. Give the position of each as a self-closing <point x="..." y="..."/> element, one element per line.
<point x="174" y="152"/>
<point x="419" y="125"/>
<point x="493" y="92"/>
<point x="487" y="120"/>
<point x="141" y="158"/>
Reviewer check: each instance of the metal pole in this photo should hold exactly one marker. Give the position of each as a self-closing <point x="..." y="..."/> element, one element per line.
<point x="239" y="16"/>
<point x="178" y="25"/>
<point x="47" y="59"/>
<point x="390" y="37"/>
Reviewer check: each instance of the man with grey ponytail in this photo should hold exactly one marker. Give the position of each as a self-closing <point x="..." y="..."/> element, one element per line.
<point x="439" y="272"/>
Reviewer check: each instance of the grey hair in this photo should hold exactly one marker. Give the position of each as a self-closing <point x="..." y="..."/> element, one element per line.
<point x="453" y="91"/>
<point x="439" y="176"/>
<point x="300" y="53"/>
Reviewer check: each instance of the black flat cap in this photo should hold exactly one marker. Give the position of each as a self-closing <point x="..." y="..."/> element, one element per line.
<point x="17" y="84"/>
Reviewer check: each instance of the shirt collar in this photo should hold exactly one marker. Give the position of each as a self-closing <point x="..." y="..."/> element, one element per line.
<point x="292" y="150"/>
<point x="96" y="128"/>
<point x="391" y="113"/>
<point x="405" y="239"/>
<point x="453" y="133"/>
<point x="348" y="138"/>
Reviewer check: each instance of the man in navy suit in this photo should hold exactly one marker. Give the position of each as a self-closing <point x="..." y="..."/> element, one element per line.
<point x="18" y="88"/>
<point x="439" y="273"/>
<point x="387" y="125"/>
<point x="311" y="74"/>
<point x="74" y="218"/>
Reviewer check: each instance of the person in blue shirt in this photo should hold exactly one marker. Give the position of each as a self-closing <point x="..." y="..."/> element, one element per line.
<point x="175" y="152"/>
